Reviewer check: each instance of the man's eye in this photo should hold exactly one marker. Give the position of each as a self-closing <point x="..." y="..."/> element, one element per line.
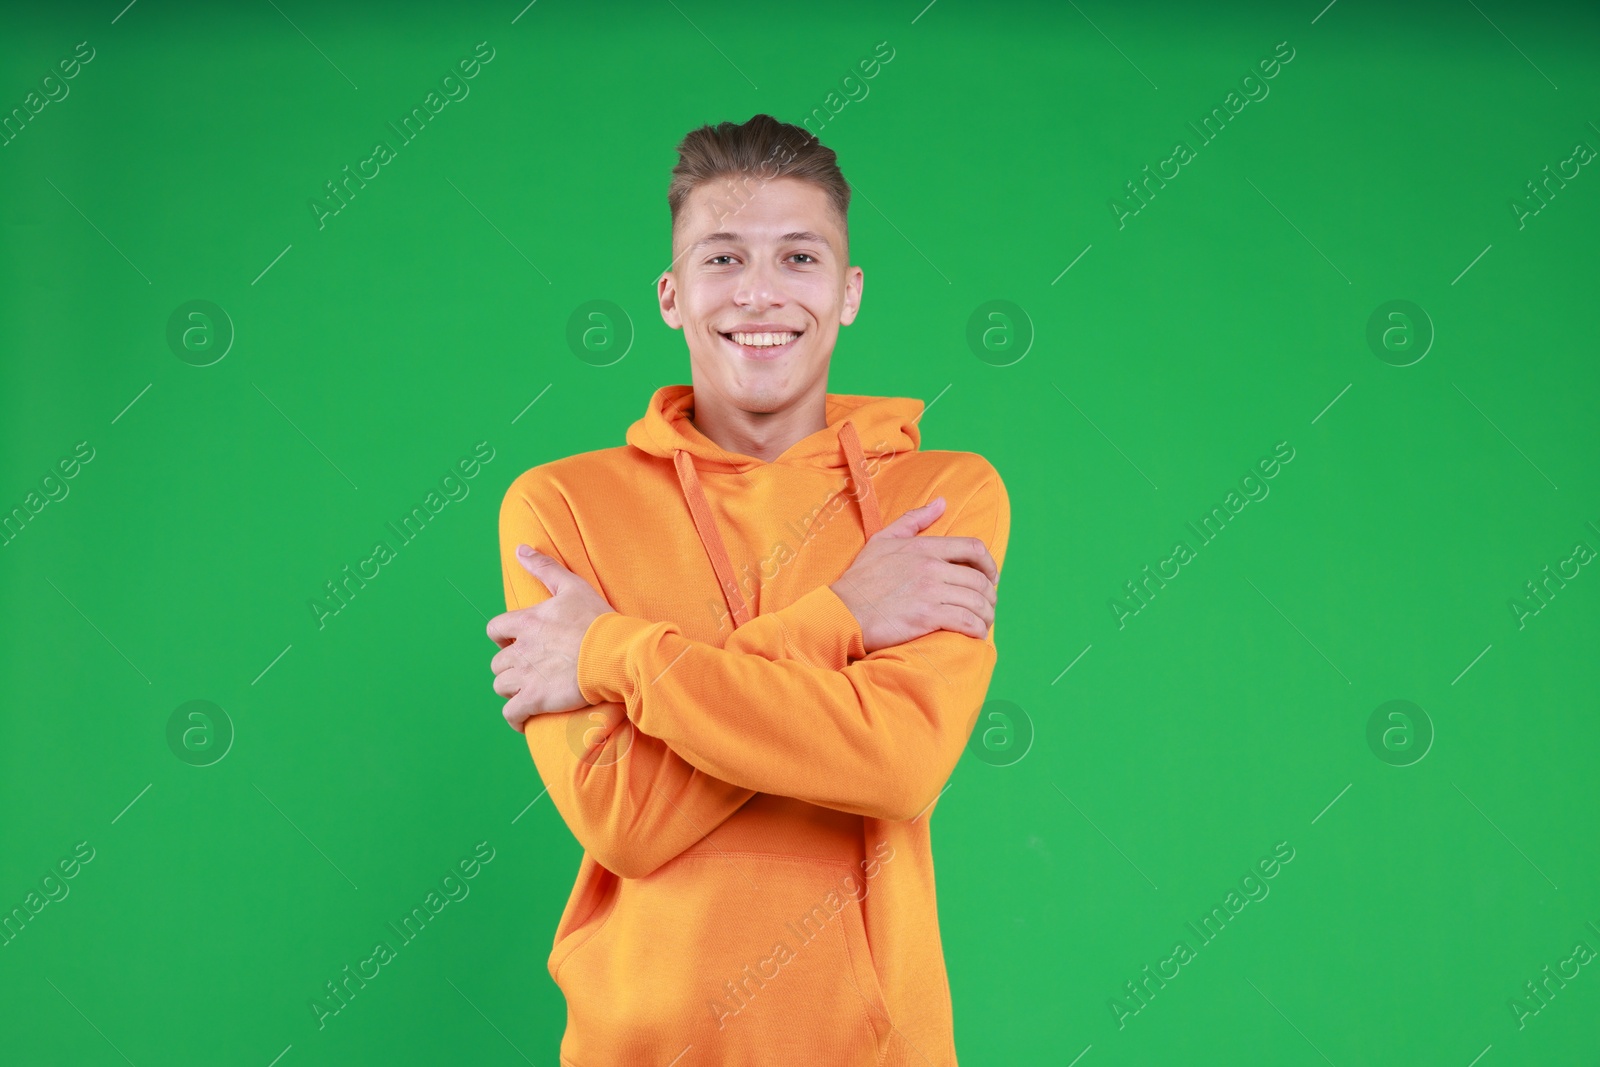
<point x="808" y="256"/>
<point x="713" y="259"/>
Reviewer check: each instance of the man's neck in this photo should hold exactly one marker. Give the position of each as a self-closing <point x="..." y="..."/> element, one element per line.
<point x="764" y="436"/>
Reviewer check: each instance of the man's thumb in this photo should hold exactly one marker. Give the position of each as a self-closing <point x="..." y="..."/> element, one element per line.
<point x="916" y="520"/>
<point x="541" y="567"/>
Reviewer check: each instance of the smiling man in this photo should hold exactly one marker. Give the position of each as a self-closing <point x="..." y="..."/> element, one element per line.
<point x="743" y="690"/>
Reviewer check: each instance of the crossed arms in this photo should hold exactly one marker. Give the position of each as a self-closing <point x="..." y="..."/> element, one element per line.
<point x="682" y="733"/>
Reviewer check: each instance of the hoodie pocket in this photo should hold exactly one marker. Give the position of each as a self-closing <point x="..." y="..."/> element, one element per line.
<point x="749" y="958"/>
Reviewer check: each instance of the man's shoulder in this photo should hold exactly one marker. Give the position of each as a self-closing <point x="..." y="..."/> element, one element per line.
<point x="973" y="489"/>
<point x="970" y="470"/>
<point x="568" y="475"/>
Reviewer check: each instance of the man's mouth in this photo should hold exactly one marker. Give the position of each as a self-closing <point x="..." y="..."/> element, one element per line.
<point x="762" y="344"/>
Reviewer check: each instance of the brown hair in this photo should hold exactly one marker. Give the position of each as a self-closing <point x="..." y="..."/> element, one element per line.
<point x="747" y="156"/>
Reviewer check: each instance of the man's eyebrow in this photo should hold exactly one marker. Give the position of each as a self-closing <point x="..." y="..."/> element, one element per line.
<point x="797" y="235"/>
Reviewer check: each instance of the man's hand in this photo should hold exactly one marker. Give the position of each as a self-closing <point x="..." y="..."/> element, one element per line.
<point x="537" y="665"/>
<point x="902" y="586"/>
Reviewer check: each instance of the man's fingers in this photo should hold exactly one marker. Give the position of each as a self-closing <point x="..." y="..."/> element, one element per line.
<point x="914" y="521"/>
<point x="968" y="550"/>
<point x="515" y="713"/>
<point x="507" y="684"/>
<point x="509" y="656"/>
<point x="970" y="602"/>
<point x="962" y="621"/>
<point x="956" y="574"/>
<point x="507" y="626"/>
<point x="974" y="553"/>
<point x="504" y="628"/>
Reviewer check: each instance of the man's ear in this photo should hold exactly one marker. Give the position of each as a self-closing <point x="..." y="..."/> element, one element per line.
<point x="854" y="279"/>
<point x="667" y="295"/>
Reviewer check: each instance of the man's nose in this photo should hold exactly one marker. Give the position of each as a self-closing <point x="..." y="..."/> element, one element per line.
<point x="760" y="285"/>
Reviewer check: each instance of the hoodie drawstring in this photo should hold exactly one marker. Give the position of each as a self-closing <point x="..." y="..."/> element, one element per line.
<point x="711" y="538"/>
<point x="871" y="522"/>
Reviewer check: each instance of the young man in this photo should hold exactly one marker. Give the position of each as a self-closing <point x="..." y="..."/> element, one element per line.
<point x="744" y="691"/>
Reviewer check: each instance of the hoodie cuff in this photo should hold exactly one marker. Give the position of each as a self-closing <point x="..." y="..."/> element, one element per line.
<point x="603" y="657"/>
<point x="825" y="626"/>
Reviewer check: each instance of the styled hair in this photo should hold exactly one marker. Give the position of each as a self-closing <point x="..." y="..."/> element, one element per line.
<point x="745" y="157"/>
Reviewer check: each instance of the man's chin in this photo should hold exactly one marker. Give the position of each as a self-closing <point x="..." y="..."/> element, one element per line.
<point x="754" y="386"/>
<point x="758" y="399"/>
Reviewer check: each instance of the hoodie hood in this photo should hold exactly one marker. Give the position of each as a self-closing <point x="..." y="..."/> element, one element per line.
<point x="859" y="427"/>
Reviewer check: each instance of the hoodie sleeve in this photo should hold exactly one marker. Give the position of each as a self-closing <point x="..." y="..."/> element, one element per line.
<point x="632" y="802"/>
<point x="878" y="737"/>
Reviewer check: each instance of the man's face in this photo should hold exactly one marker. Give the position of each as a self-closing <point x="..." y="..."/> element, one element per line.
<point x="758" y="263"/>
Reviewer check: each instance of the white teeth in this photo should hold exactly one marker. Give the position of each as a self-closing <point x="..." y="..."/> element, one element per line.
<point x="763" y="340"/>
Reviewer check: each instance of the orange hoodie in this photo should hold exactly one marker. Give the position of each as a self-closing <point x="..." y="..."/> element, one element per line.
<point x="752" y="791"/>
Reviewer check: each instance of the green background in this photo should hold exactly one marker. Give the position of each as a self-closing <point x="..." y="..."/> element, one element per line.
<point x="1229" y="314"/>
